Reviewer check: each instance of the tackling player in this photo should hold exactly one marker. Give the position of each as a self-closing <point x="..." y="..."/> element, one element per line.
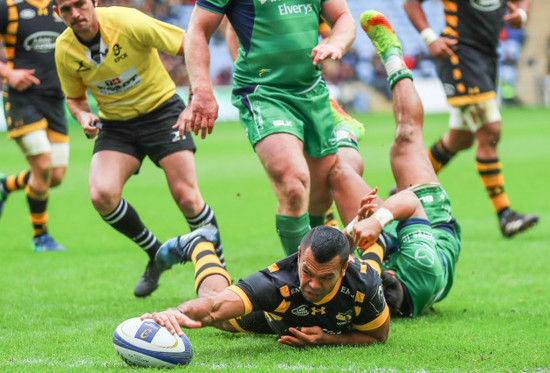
<point x="113" y="53"/>
<point x="421" y="271"/>
<point x="34" y="108"/>
<point x="467" y="60"/>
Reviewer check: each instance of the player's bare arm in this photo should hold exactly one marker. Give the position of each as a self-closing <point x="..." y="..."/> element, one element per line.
<point x="314" y="336"/>
<point x="438" y="46"/>
<point x="203" y="108"/>
<point x="517" y="13"/>
<point x="337" y="14"/>
<point x="80" y="110"/>
<point x="200" y="312"/>
<point x="19" y="79"/>
<point x="402" y="205"/>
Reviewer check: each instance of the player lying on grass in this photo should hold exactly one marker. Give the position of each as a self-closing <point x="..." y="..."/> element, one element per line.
<point x="318" y="296"/>
<point x="419" y="270"/>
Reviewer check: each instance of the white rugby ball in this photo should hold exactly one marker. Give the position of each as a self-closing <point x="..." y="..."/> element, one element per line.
<point x="146" y="343"/>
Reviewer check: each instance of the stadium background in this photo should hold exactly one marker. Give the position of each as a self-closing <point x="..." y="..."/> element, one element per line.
<point x="358" y="82"/>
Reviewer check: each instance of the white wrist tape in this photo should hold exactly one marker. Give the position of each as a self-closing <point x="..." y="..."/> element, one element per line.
<point x="429" y="36"/>
<point x="349" y="228"/>
<point x="523" y="15"/>
<point x="383" y="215"/>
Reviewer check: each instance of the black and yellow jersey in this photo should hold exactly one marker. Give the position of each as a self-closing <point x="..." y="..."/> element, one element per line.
<point x="131" y="79"/>
<point x="476" y="23"/>
<point x="29" y="29"/>
<point x="356" y="302"/>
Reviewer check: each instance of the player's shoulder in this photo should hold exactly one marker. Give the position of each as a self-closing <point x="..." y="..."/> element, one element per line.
<point x="361" y="275"/>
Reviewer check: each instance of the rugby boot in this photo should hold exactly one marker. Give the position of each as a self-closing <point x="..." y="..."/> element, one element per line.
<point x="512" y="223"/>
<point x="344" y="121"/>
<point x="387" y="44"/>
<point x="45" y="242"/>
<point x="179" y="249"/>
<point x="149" y="281"/>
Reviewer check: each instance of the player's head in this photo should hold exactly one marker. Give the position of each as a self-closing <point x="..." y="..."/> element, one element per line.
<point x="79" y="15"/>
<point x="322" y="261"/>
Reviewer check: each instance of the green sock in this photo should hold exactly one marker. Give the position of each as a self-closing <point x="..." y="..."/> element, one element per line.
<point x="291" y="230"/>
<point x="315" y="221"/>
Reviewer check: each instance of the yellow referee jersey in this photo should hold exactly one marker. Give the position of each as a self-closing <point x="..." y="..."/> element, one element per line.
<point x="130" y="80"/>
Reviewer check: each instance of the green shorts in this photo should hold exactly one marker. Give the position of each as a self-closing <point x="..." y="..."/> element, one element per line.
<point x="425" y="262"/>
<point x="265" y="110"/>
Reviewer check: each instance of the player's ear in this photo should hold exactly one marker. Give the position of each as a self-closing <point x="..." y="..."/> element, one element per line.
<point x="299" y="252"/>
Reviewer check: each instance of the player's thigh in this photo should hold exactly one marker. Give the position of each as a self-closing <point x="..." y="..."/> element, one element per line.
<point x="264" y="111"/>
<point x="282" y="156"/>
<point x="109" y="171"/>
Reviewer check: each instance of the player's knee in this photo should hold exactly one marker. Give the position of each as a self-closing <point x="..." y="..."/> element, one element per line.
<point x="295" y="190"/>
<point x="103" y="199"/>
<point x="406" y="133"/>
<point x="58" y="173"/>
<point x="489" y="134"/>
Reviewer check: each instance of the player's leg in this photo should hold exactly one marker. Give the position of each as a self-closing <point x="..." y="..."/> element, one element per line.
<point x="109" y="171"/>
<point x="211" y="277"/>
<point x="282" y="156"/>
<point x="490" y="172"/>
<point x="12" y="183"/>
<point x="36" y="147"/>
<point x="180" y="171"/>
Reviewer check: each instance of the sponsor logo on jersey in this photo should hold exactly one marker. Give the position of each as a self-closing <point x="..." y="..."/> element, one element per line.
<point x="119" y="54"/>
<point x="343" y="318"/>
<point x="303" y="310"/>
<point x="320" y="310"/>
<point x="285" y="10"/>
<point x="486" y="5"/>
<point x="27" y="14"/>
<point x="41" y="42"/>
<point x="424" y="255"/>
<point x="119" y="84"/>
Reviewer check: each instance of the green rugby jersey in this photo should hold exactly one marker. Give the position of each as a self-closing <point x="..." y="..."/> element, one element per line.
<point x="276" y="39"/>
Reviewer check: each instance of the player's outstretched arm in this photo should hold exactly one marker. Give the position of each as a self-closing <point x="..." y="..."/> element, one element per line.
<point x="203" y="107"/>
<point x="314" y="336"/>
<point x="337" y="14"/>
<point x="200" y="312"/>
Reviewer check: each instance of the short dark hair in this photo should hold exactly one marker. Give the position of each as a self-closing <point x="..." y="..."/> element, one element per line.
<point x="325" y="243"/>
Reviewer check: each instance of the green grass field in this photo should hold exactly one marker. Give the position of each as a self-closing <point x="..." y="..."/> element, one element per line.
<point x="58" y="310"/>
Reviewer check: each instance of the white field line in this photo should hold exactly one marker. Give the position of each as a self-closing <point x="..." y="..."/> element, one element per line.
<point x="235" y="365"/>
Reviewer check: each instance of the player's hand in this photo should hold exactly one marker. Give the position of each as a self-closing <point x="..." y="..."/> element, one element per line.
<point x="87" y="122"/>
<point x="369" y="204"/>
<point x="366" y="232"/>
<point x="21" y="79"/>
<point x="443" y="47"/>
<point x="304" y="336"/>
<point x="204" y="111"/>
<point x="173" y="320"/>
<point x="325" y="49"/>
<point x="513" y="17"/>
<point x="183" y="119"/>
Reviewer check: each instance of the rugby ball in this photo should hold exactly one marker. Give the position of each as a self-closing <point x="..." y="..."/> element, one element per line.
<point x="146" y="343"/>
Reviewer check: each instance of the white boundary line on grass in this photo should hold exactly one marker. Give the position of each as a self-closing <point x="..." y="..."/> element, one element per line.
<point x="118" y="364"/>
